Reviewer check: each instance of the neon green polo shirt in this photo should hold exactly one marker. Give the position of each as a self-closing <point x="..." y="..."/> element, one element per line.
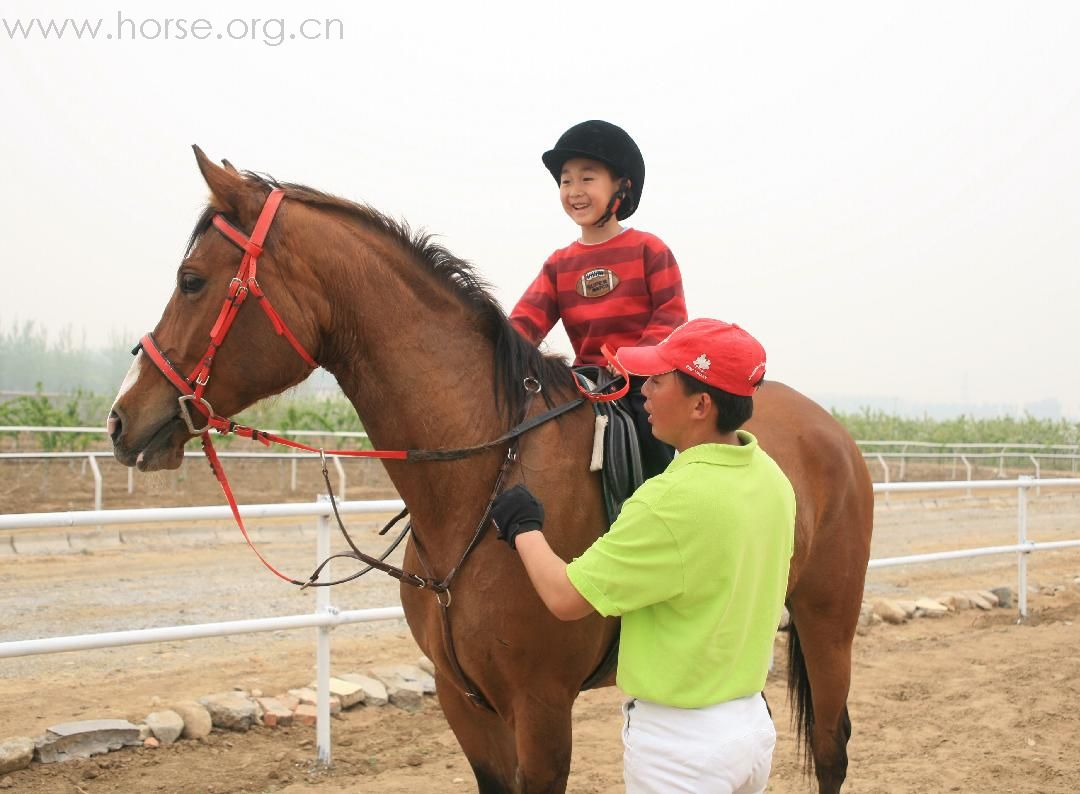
<point x="697" y="566"/>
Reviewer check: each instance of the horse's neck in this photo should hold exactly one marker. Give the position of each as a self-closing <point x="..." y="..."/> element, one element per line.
<point x="419" y="375"/>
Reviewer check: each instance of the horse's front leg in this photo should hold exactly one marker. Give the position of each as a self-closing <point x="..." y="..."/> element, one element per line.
<point x="533" y="757"/>
<point x="542" y="736"/>
<point x="487" y="741"/>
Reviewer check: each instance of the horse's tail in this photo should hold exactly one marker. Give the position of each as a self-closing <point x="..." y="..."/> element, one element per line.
<point x="802" y="706"/>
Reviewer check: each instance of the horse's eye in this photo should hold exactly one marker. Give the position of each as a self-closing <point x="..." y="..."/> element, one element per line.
<point x="190" y="283"/>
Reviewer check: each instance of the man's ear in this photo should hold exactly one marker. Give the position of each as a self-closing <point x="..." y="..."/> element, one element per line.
<point x="703" y="405"/>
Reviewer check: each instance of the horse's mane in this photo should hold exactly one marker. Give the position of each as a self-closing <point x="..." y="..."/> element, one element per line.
<point x="515" y="357"/>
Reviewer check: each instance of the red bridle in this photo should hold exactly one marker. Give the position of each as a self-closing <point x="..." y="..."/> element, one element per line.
<point x="244" y="283"/>
<point x="193" y="386"/>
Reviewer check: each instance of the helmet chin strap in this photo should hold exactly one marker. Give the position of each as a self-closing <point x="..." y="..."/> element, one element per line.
<point x="620" y="195"/>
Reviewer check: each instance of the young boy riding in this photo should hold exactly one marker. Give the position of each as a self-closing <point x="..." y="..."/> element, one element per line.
<point x="614" y="285"/>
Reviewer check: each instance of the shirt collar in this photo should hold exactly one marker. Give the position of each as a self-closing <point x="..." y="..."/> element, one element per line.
<point x="718" y="454"/>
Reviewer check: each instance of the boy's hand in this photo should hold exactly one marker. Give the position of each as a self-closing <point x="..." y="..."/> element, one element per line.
<point x="516" y="511"/>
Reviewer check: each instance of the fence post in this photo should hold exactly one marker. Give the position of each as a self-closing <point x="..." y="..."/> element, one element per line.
<point x="885" y="471"/>
<point x="322" y="651"/>
<point x="97" y="481"/>
<point x="1021" y="539"/>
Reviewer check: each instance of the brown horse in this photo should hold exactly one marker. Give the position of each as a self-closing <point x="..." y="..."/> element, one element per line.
<point x="428" y="359"/>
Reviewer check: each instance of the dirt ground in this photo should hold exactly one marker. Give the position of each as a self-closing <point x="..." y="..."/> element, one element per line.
<point x="972" y="702"/>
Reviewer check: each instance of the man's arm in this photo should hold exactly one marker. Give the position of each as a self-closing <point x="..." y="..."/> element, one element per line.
<point x="547" y="572"/>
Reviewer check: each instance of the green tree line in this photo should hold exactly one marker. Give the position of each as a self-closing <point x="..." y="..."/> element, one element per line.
<point x="335" y="413"/>
<point x="60" y="382"/>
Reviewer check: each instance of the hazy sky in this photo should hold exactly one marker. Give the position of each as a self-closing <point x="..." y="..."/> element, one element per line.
<point x="886" y="194"/>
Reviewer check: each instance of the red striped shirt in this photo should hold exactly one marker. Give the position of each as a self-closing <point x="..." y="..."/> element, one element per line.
<point x="643" y="308"/>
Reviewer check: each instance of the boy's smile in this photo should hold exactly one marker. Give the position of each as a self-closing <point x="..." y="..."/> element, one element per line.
<point x="585" y="188"/>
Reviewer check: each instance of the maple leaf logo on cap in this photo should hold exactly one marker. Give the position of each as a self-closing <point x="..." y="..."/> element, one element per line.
<point x="702" y="363"/>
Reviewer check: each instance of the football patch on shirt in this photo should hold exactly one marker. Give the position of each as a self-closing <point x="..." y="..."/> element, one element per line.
<point x="596" y="283"/>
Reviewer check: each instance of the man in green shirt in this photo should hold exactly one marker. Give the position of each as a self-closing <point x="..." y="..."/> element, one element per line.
<point x="696" y="566"/>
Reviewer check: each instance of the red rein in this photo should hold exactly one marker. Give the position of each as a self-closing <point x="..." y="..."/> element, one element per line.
<point x="193" y="386"/>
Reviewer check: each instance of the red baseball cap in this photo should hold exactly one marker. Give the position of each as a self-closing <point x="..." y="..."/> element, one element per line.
<point x="716" y="353"/>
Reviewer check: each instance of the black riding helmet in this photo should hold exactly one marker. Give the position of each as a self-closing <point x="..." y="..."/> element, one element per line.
<point x="603" y="141"/>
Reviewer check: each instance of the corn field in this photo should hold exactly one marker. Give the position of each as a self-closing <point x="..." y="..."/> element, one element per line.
<point x="60" y="382"/>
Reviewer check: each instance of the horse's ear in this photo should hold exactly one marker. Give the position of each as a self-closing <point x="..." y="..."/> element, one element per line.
<point x="229" y="166"/>
<point x="226" y="185"/>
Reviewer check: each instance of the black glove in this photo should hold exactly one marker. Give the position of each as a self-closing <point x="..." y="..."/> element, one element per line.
<point x="516" y="511"/>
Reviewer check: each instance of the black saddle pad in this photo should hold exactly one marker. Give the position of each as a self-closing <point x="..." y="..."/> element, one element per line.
<point x="621" y="472"/>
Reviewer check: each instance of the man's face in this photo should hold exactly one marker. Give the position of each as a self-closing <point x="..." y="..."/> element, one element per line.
<point x="670" y="408"/>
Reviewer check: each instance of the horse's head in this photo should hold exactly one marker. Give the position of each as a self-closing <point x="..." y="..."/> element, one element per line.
<point x="255" y="357"/>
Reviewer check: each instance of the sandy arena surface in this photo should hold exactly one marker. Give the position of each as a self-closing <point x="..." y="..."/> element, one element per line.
<point x="971" y="702"/>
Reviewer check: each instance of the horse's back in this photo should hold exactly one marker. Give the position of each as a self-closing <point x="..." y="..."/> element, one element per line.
<point x="833" y="491"/>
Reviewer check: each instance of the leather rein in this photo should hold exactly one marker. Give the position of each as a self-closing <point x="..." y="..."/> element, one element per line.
<point x="193" y="386"/>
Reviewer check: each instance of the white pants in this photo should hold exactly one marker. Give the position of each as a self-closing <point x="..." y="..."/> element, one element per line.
<point x="722" y="749"/>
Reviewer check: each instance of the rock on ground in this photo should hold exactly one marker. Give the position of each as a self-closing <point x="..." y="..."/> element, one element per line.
<point x="309" y="696"/>
<point x="16" y="753"/>
<point x="404" y="693"/>
<point x="410" y="672"/>
<point x="928" y="607"/>
<point x="166" y="726"/>
<point x="1004" y="596"/>
<point x="197" y="722"/>
<point x="375" y="693"/>
<point x="889" y="611"/>
<point x="85" y="738"/>
<point x="276" y="712"/>
<point x="977" y="601"/>
<point x="907" y="605"/>
<point x="348" y="692"/>
<point x="231" y="710"/>
<point x="956" y="601"/>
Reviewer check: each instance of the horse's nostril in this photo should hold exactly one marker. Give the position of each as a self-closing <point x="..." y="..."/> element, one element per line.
<point x="114" y="426"/>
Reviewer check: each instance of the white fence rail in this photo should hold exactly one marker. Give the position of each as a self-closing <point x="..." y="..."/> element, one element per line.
<point x="1023" y="546"/>
<point x="326" y="616"/>
<point x="100" y="431"/>
<point x="91" y="459"/>
<point x="1017" y="455"/>
<point x="881" y="456"/>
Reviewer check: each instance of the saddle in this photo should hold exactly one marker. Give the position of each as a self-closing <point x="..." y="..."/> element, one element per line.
<point x="616" y="451"/>
<point x="617" y="456"/>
